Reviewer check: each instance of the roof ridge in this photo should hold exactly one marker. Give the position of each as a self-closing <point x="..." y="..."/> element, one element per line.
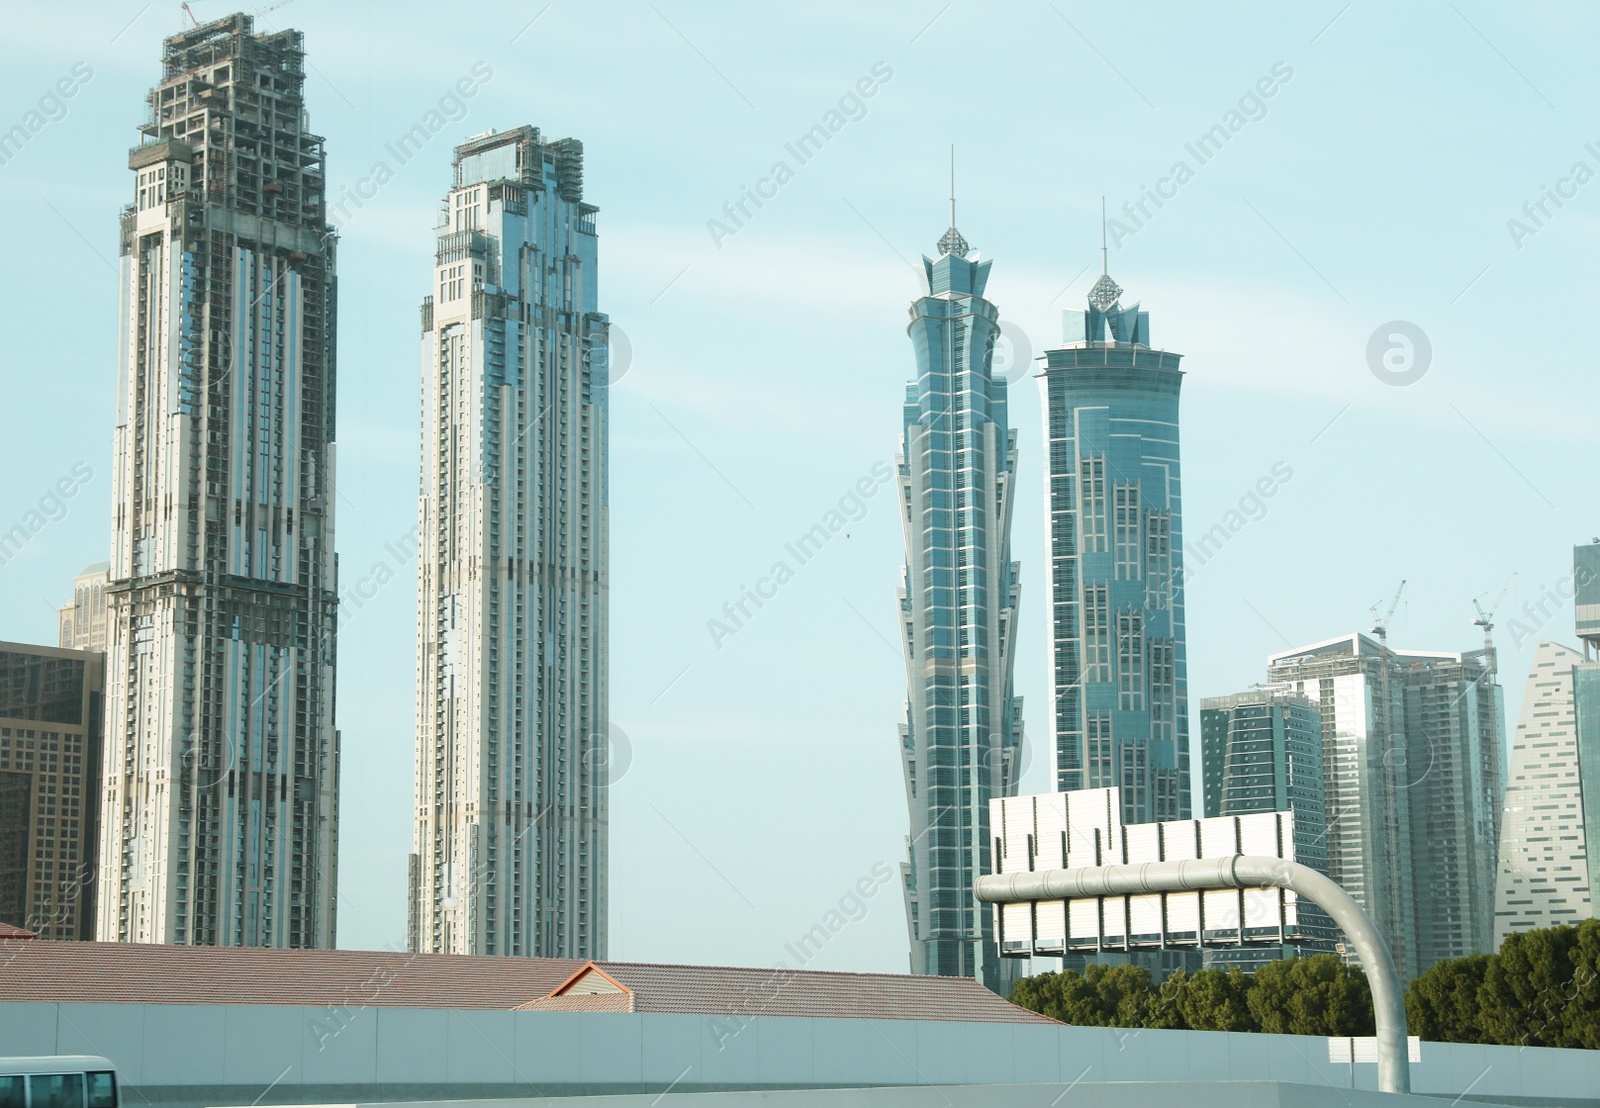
<point x="785" y="969"/>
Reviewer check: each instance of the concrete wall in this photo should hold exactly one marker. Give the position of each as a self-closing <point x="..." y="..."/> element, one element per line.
<point x="236" y="1054"/>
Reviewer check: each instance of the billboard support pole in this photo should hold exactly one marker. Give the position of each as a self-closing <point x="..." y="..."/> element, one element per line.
<point x="1240" y="871"/>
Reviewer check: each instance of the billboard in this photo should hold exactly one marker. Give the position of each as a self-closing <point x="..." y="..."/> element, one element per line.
<point x="1083" y="828"/>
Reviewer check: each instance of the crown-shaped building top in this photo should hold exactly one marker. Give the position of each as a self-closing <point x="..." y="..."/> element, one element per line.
<point x="1106" y="319"/>
<point x="1105" y="293"/>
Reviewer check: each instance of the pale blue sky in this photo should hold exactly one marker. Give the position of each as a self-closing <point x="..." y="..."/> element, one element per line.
<point x="767" y="371"/>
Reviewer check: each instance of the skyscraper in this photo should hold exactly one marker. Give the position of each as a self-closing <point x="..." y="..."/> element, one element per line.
<point x="1454" y="733"/>
<point x="1352" y="682"/>
<point x="1550" y="834"/>
<point x="958" y="612"/>
<point x="1119" y="684"/>
<point x="1411" y="757"/>
<point x="1547" y="847"/>
<point x="1261" y="751"/>
<point x="222" y="761"/>
<point x="512" y="713"/>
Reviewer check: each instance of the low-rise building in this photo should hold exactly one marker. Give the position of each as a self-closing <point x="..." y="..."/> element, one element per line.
<point x="50" y="757"/>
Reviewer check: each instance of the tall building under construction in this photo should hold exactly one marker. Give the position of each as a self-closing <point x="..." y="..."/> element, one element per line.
<point x="1411" y="767"/>
<point x="220" y="815"/>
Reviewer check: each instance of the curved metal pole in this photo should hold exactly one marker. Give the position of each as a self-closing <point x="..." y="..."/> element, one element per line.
<point x="1241" y="871"/>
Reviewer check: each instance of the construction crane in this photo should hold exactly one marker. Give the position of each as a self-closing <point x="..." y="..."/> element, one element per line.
<point x="1380" y="624"/>
<point x="1393" y="755"/>
<point x="263" y="10"/>
<point x="1486" y="621"/>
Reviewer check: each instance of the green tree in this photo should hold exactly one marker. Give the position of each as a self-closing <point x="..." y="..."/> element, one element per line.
<point x="1101" y="996"/>
<point x="1442" y="1005"/>
<point x="1526" y="987"/>
<point x="1218" y="1000"/>
<point x="1124" y="993"/>
<point x="1311" y="996"/>
<point x="1166" y="1003"/>
<point x="1580" y="1018"/>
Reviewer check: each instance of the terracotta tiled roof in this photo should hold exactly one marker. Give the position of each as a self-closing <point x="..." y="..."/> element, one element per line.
<point x="11" y="931"/>
<point x="729" y="991"/>
<point x="725" y="990"/>
<point x="67" y="972"/>
<point x="144" y="973"/>
<point x="613" y="1002"/>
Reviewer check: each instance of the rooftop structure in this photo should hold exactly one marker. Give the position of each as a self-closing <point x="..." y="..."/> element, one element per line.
<point x="81" y="624"/>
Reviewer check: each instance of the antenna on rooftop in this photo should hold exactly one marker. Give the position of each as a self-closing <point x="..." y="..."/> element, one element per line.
<point x="952" y="184"/>
<point x="1103" y="270"/>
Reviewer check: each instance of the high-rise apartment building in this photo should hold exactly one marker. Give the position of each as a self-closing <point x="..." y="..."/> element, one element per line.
<point x="1550" y="833"/>
<point x="51" y="703"/>
<point x="222" y="761"/>
<point x="1454" y="734"/>
<point x="1119" y="682"/>
<point x="958" y="616"/>
<point x="510" y="852"/>
<point x="81" y="625"/>
<point x="1261" y="751"/>
<point x="1352" y="681"/>
<point x="1411" y="765"/>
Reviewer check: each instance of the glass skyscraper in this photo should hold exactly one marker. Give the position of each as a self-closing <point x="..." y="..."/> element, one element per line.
<point x="1261" y="751"/>
<point x="221" y="808"/>
<point x="1411" y="757"/>
<point x="958" y="610"/>
<point x="1352" y="681"/>
<point x="1119" y="696"/>
<point x="513" y="567"/>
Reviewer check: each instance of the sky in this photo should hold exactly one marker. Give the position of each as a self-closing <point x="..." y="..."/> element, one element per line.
<point x="1361" y="280"/>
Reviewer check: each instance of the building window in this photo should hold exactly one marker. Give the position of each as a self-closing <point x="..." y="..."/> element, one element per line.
<point x="1096" y="634"/>
<point x="1130" y="660"/>
<point x="1157" y="560"/>
<point x="1125" y="522"/>
<point x="1092" y="501"/>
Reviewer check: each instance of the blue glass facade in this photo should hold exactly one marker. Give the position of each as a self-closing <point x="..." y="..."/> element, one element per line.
<point x="962" y="736"/>
<point x="1119" y="691"/>
<point x="1586" y="706"/>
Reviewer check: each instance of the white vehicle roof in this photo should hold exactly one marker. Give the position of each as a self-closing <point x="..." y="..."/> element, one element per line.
<point x="54" y="1063"/>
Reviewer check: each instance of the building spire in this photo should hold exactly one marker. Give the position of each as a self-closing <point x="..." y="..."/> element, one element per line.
<point x="1105" y="291"/>
<point x="1103" y="271"/>
<point x="952" y="242"/>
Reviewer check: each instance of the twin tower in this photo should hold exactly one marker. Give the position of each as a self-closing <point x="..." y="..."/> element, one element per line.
<point x="220" y="807"/>
<point x="219" y="822"/>
<point x="1118" y="690"/>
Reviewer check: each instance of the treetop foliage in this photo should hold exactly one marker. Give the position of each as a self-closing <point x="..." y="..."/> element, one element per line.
<point x="1541" y="989"/>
